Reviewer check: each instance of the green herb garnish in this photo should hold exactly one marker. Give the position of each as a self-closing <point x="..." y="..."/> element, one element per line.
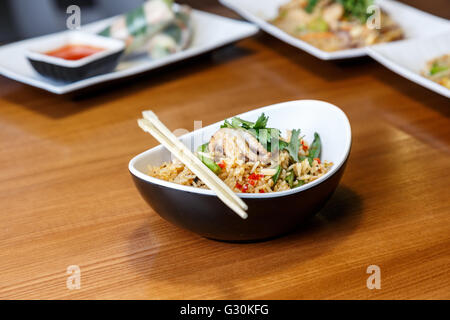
<point x="226" y="124"/>
<point x="266" y="136"/>
<point x="239" y="123"/>
<point x="257" y="129"/>
<point x="310" y="6"/>
<point x="354" y="8"/>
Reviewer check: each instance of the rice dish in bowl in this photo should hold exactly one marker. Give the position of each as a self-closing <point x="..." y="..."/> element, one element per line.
<point x="239" y="154"/>
<point x="270" y="214"/>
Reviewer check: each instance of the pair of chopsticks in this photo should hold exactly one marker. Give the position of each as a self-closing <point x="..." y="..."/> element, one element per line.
<point x="151" y="124"/>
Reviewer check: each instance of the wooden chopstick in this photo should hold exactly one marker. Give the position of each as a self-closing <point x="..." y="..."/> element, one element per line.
<point x="152" y="125"/>
<point x="198" y="170"/>
<point x="153" y="118"/>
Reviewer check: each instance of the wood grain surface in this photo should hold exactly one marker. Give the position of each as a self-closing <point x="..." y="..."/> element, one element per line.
<point x="66" y="197"/>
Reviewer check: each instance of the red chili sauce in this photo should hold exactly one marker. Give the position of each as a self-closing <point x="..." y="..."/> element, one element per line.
<point x="74" y="51"/>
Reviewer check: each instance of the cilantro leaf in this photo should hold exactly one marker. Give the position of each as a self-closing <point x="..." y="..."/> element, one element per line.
<point x="310" y="6"/>
<point x="257" y="129"/>
<point x="283" y="145"/>
<point x="261" y="123"/>
<point x="356" y="8"/>
<point x="238" y="123"/>
<point x="226" y="124"/>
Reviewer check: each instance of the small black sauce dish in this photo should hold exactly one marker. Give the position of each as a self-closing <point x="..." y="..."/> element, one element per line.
<point x="64" y="70"/>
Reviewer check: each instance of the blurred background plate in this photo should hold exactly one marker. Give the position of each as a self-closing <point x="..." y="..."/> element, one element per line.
<point x="414" y="22"/>
<point x="409" y="57"/>
<point x="210" y="32"/>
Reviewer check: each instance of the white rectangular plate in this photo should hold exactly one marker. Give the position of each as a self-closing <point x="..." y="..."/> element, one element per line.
<point x="408" y="58"/>
<point x="210" y="32"/>
<point x="414" y="22"/>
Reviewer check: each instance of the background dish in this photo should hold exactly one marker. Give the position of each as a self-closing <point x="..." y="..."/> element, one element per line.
<point x="414" y="22"/>
<point x="211" y="32"/>
<point x="408" y="58"/>
<point x="200" y="211"/>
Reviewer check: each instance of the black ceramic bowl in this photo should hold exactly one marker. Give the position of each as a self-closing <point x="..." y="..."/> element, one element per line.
<point x="74" y="70"/>
<point x="269" y="214"/>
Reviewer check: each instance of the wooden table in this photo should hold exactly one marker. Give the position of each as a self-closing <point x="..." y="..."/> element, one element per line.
<point x="66" y="197"/>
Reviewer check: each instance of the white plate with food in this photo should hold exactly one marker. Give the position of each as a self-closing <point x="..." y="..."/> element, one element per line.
<point x="168" y="43"/>
<point x="425" y="61"/>
<point x="334" y="29"/>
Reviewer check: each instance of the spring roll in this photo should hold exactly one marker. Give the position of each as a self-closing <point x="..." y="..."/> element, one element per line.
<point x="174" y="38"/>
<point x="136" y="27"/>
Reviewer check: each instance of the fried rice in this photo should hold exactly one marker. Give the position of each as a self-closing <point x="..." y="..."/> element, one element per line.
<point x="247" y="176"/>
